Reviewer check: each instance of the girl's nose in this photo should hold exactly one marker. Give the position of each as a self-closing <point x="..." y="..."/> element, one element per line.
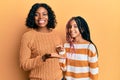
<point x="72" y="28"/>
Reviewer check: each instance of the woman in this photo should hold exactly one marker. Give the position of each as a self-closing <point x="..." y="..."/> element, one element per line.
<point x="37" y="52"/>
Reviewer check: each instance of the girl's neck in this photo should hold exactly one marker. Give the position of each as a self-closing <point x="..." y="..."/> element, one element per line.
<point x="79" y="40"/>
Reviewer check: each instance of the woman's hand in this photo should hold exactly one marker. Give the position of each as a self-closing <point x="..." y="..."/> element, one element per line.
<point x="55" y="55"/>
<point x="51" y="55"/>
<point x="46" y="56"/>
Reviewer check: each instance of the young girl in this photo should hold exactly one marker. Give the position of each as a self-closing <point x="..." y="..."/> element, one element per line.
<point x="81" y="61"/>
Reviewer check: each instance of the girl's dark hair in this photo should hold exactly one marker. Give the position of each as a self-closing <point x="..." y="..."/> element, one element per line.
<point x="30" y="21"/>
<point x="83" y="29"/>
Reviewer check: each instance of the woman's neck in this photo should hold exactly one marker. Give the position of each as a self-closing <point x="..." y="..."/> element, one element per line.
<point x="44" y="30"/>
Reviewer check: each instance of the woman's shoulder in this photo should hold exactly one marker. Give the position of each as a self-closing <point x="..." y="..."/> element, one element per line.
<point x="54" y="31"/>
<point x="28" y="34"/>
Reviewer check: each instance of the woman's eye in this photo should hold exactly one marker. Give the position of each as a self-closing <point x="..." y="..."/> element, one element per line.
<point x="45" y="14"/>
<point x="36" y="14"/>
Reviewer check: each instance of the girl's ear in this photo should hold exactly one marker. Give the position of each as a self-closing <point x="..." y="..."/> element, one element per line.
<point x="82" y="30"/>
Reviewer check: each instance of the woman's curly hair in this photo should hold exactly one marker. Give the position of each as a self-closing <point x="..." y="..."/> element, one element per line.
<point x="30" y="21"/>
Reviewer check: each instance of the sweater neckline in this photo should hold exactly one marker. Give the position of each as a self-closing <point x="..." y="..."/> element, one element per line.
<point x="47" y="33"/>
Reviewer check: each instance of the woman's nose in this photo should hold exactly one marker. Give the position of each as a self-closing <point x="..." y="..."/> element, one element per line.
<point x="40" y="16"/>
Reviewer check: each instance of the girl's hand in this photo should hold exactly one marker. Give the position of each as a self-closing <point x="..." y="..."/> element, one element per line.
<point x="59" y="48"/>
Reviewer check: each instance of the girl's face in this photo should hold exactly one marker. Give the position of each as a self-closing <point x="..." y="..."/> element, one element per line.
<point x="73" y="29"/>
<point x="41" y="17"/>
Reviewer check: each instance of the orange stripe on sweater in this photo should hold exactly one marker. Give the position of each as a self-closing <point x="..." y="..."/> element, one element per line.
<point x="82" y="51"/>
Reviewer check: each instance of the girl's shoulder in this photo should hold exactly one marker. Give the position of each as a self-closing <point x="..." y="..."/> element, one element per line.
<point x="92" y="47"/>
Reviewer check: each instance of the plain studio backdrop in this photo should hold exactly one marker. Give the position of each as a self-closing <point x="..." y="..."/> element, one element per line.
<point x="103" y="17"/>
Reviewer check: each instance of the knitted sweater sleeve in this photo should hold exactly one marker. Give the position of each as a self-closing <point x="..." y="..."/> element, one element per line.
<point x="93" y="62"/>
<point x="26" y="62"/>
<point x="62" y="61"/>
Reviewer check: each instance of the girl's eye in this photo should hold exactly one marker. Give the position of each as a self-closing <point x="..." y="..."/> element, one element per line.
<point x="70" y="27"/>
<point x="75" y="26"/>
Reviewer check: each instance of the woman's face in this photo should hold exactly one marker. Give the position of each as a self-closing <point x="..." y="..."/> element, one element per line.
<point x="73" y="29"/>
<point x="41" y="17"/>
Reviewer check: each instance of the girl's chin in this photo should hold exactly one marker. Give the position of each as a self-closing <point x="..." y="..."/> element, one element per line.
<point x="73" y="36"/>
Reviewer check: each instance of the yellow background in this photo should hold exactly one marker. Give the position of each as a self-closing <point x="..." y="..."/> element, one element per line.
<point x="103" y="17"/>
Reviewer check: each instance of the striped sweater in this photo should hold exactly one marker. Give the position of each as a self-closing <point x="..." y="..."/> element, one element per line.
<point x="82" y="64"/>
<point x="33" y="46"/>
